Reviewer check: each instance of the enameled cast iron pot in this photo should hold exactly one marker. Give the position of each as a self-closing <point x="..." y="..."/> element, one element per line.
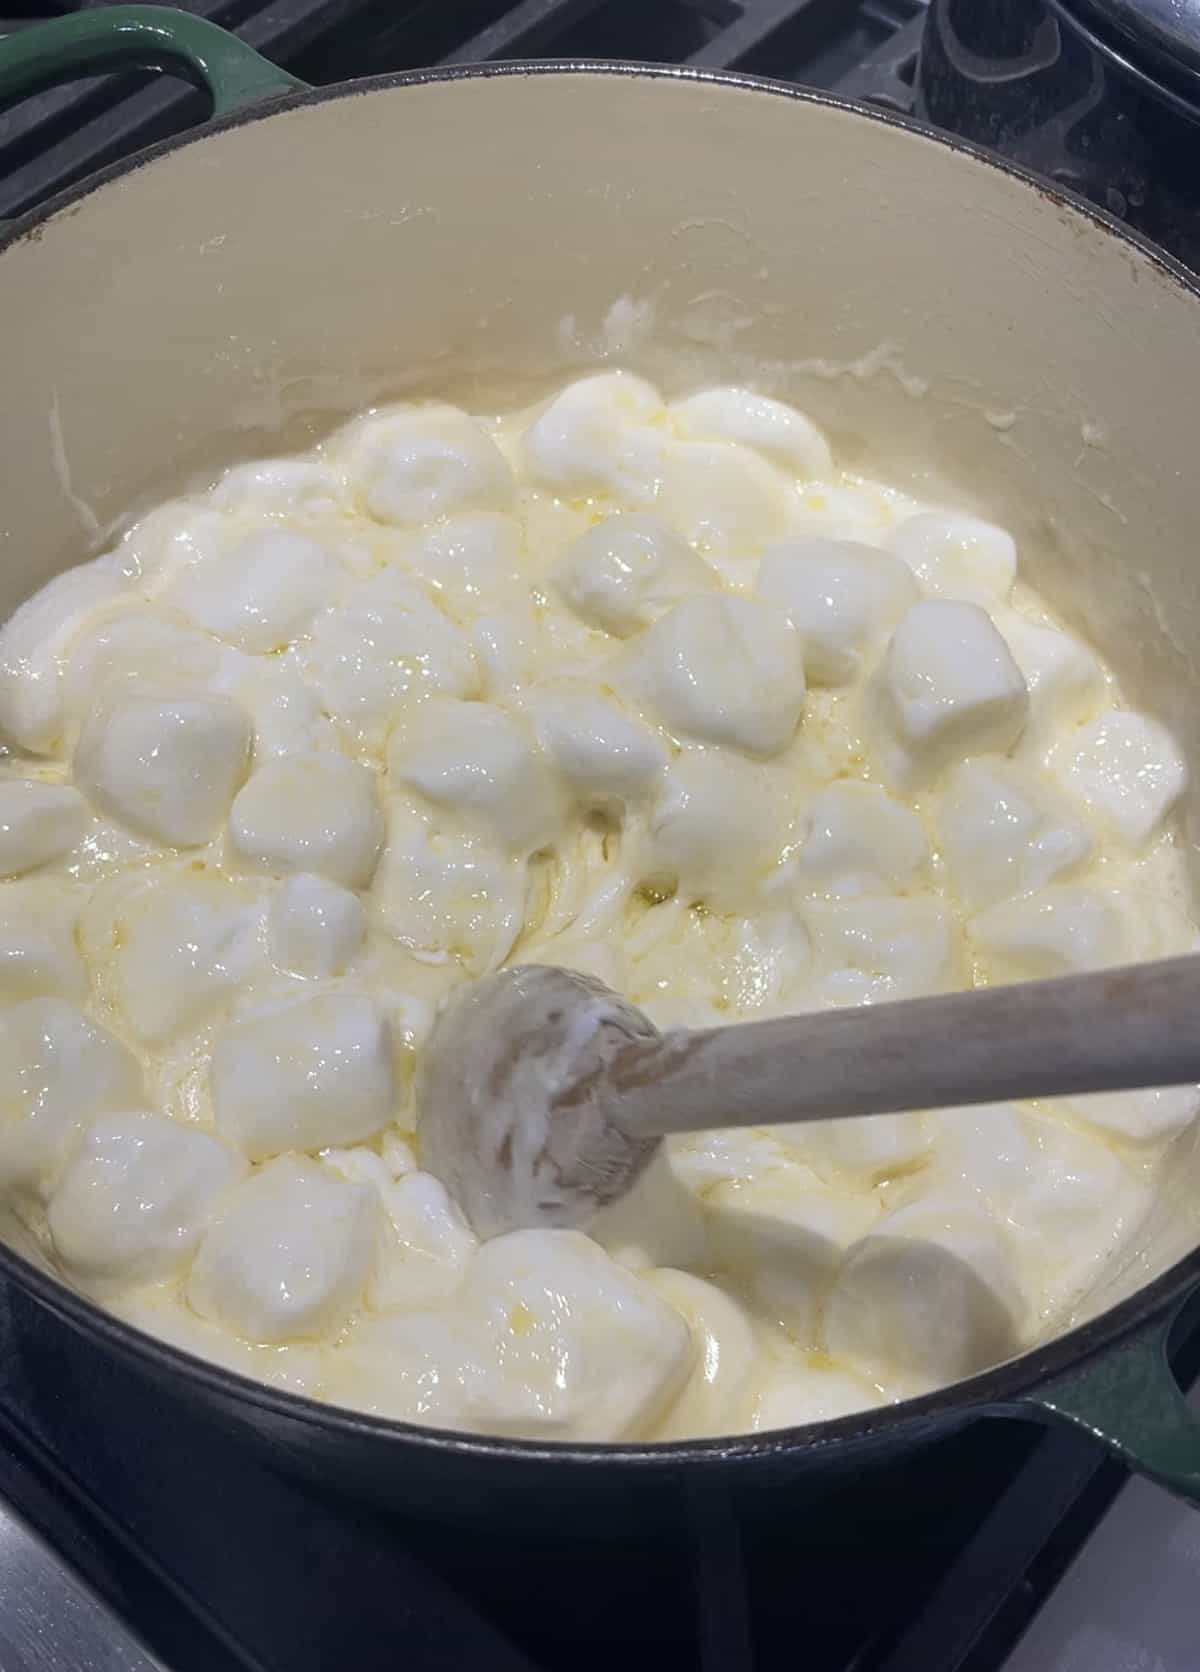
<point x="481" y="233"/>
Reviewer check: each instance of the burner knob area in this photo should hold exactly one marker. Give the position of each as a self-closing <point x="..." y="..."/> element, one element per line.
<point x="1017" y="77"/>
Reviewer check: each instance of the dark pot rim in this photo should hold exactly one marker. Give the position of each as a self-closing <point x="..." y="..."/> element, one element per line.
<point x="1002" y="1387"/>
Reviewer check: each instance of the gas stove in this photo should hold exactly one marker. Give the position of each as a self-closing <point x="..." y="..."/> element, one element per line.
<point x="133" y="1537"/>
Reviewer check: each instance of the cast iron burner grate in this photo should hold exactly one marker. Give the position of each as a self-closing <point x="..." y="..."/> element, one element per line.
<point x="866" y="48"/>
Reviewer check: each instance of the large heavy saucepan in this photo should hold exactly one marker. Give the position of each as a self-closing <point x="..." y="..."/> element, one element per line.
<point x="477" y="233"/>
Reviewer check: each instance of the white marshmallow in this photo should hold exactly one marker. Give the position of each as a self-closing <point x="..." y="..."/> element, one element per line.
<point x="133" y="1202"/>
<point x="445" y="895"/>
<point x="841" y="597"/>
<point x="279" y="488"/>
<point x="583" y="1350"/>
<point x="722" y="498"/>
<point x="289" y="1254"/>
<point x="38" y="823"/>
<point x="316" y="927"/>
<point x="947" y="688"/>
<point x="1066" y="683"/>
<point x="725" y="1359"/>
<point x="171" y="537"/>
<point x="1124" y="768"/>
<point x="472" y="561"/>
<point x="1061" y="930"/>
<point x="927" y="1297"/>
<point x="1001" y="833"/>
<point x="423" y="1263"/>
<point x="956" y="556"/>
<point x="779" y="432"/>
<point x="310" y="813"/>
<point x="477" y="762"/>
<point x="314" y="1072"/>
<point x="719" y="826"/>
<point x="58" y="1071"/>
<point x="38" y="954"/>
<point x="144" y="650"/>
<point x="426" y="462"/>
<point x="657" y="1223"/>
<point x="723" y="670"/>
<point x="33" y="644"/>
<point x="387" y="649"/>
<point x="262" y="594"/>
<point x="875" y="947"/>
<point x="782" y="1235"/>
<point x="166" y="767"/>
<point x="794" y="1395"/>
<point x="858" y="841"/>
<point x="596" y="437"/>
<point x="621" y="575"/>
<point x="284" y="709"/>
<point x="867" y="1149"/>
<point x="603" y="754"/>
<point x="990" y="1149"/>
<point x="173" y="952"/>
<point x="1143" y="1117"/>
<point x="505" y="644"/>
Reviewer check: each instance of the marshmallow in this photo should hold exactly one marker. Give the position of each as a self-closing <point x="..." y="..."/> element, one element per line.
<point x="723" y="670"/>
<point x="596" y="437"/>
<point x="390" y="647"/>
<point x="604" y="755"/>
<point x="423" y="1263"/>
<point x="279" y="488"/>
<point x="262" y="594"/>
<point x="656" y="1223"/>
<point x="38" y="954"/>
<point x="1141" y="1117"/>
<point x="718" y="827"/>
<point x="173" y="952"/>
<point x="1001" y="833"/>
<point x="722" y="498"/>
<point x="166" y="767"/>
<point x="472" y="561"/>
<point x="956" y="556"/>
<point x="582" y="1349"/>
<point x="782" y="1235"/>
<point x="1124" y="768"/>
<point x="875" y="947"/>
<point x="626" y="571"/>
<point x="144" y="650"/>
<point x="476" y="761"/>
<point x="927" y="1297"/>
<point x="444" y="895"/>
<point x="1061" y="930"/>
<point x="58" y="1071"/>
<point x="1066" y="683"/>
<point x="725" y="1359"/>
<point x="797" y="1394"/>
<point x="33" y="644"/>
<point x="289" y="1255"/>
<point x="842" y="598"/>
<point x="429" y="461"/>
<point x="313" y="1072"/>
<point x="315" y="927"/>
<point x="133" y="1202"/>
<point x="868" y="1149"/>
<point x="858" y="841"/>
<point x="948" y="687"/>
<point x="783" y="435"/>
<point x="310" y="813"/>
<point x="38" y="823"/>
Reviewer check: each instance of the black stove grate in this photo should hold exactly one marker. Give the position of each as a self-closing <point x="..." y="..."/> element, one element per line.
<point x="49" y="142"/>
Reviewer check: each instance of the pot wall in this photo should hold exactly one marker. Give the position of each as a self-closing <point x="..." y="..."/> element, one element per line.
<point x="948" y="324"/>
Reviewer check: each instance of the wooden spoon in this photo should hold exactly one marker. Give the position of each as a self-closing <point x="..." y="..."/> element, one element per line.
<point x="543" y="1094"/>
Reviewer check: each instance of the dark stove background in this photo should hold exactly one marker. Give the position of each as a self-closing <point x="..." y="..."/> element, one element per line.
<point x="867" y="47"/>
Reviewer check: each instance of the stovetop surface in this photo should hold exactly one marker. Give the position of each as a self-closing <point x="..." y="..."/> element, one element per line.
<point x="219" y="1564"/>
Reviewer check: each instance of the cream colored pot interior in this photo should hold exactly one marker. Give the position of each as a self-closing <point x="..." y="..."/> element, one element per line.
<point x="946" y="323"/>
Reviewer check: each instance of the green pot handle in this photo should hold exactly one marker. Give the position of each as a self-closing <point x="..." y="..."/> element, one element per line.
<point x="1128" y="1398"/>
<point x="145" y="37"/>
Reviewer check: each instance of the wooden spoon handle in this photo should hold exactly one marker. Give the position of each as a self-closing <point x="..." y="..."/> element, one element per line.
<point x="1116" y="1029"/>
